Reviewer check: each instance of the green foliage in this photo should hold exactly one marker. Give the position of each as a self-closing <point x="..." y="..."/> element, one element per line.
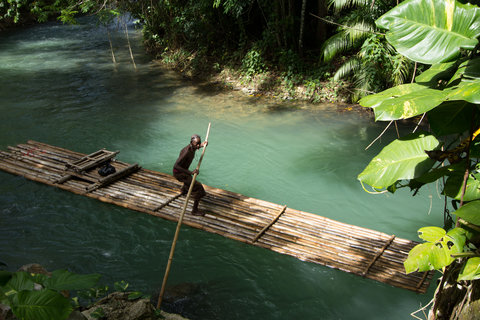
<point x="402" y="159"/>
<point x="253" y="63"/>
<point x="436" y="33"/>
<point x="121" y="286"/>
<point x="93" y="293"/>
<point x="471" y="270"/>
<point x="375" y="65"/>
<point x="18" y="290"/>
<point x="98" y="313"/>
<point x="449" y="22"/>
<point x="437" y="252"/>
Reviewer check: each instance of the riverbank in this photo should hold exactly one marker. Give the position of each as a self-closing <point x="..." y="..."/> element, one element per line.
<point x="267" y="81"/>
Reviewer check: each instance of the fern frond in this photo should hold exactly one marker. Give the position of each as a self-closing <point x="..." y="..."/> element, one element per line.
<point x="334" y="45"/>
<point x="359" y="30"/>
<point x="402" y="69"/>
<point x="349" y="38"/>
<point x="339" y="5"/>
<point x="347" y="68"/>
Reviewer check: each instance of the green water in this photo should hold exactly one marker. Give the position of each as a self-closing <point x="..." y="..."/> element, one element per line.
<point x="59" y="86"/>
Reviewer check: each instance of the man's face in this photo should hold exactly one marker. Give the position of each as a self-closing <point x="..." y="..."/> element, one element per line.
<point x="196" y="143"/>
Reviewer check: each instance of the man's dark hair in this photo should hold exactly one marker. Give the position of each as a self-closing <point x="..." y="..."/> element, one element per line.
<point x="195" y="137"/>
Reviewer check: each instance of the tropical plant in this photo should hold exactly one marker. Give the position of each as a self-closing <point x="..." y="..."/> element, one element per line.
<point x="375" y="65"/>
<point x="443" y="34"/>
<point x="38" y="296"/>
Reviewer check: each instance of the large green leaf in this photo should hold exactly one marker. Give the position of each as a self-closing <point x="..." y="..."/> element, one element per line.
<point x="466" y="90"/>
<point x="469" y="69"/>
<point x="453" y="187"/>
<point x="437" y="173"/>
<point x="403" y="101"/>
<point x="41" y="305"/>
<point x="470" y="212"/>
<point x="19" y="281"/>
<point x="404" y="158"/>
<point x="431" y="234"/>
<point x="451" y="117"/>
<point x="65" y="280"/>
<point x="431" y="31"/>
<point x="437" y="252"/>
<point x="437" y="72"/>
<point x="471" y="270"/>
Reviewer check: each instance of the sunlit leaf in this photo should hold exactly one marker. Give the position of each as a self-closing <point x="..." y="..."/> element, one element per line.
<point x="430" y="31"/>
<point x="404" y="158"/>
<point x="437" y="252"/>
<point x="454" y="241"/>
<point x="471" y="270"/>
<point x="470" y="212"/>
<point x="403" y="102"/>
<point x="425" y="257"/>
<point x="431" y="234"/>
<point x="466" y="90"/>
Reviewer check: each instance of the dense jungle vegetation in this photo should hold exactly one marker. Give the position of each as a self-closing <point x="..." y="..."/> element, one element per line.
<point x="321" y="50"/>
<point x="420" y="57"/>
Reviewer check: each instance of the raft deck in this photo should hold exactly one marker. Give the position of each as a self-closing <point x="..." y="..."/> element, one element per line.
<point x="306" y="236"/>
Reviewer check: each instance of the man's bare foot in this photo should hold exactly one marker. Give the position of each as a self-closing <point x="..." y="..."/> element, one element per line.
<point x="198" y="213"/>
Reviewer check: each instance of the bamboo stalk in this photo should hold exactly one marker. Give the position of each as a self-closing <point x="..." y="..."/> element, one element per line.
<point x="378" y="255"/>
<point x="167" y="202"/>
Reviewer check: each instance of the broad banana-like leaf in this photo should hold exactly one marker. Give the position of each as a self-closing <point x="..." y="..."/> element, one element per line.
<point x="65" y="280"/>
<point x="431" y="31"/>
<point x="437" y="72"/>
<point x="471" y="270"/>
<point x="450" y="117"/>
<point x="404" y="158"/>
<point x="403" y="101"/>
<point x="468" y="69"/>
<point x="18" y="282"/>
<point x="467" y="90"/>
<point x="470" y="212"/>
<point x="41" y="305"/>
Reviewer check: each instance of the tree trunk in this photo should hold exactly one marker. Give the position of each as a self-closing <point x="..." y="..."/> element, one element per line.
<point x="321" y="32"/>
<point x="302" y="26"/>
<point x="453" y="300"/>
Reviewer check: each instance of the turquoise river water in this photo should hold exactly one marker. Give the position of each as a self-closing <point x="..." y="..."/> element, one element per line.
<point x="58" y="85"/>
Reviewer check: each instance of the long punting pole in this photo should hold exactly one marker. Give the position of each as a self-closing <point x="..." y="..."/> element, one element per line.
<point x="179" y="224"/>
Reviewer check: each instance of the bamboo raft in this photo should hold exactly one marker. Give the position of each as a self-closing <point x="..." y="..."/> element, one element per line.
<point x="306" y="236"/>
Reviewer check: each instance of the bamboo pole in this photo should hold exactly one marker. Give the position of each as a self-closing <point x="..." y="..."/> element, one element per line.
<point x="270" y="224"/>
<point x="179" y="224"/>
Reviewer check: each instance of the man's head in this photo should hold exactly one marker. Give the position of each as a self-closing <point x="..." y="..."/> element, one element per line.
<point x="195" y="141"/>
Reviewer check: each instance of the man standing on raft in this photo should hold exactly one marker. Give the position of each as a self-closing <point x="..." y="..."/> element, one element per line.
<point x="183" y="174"/>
